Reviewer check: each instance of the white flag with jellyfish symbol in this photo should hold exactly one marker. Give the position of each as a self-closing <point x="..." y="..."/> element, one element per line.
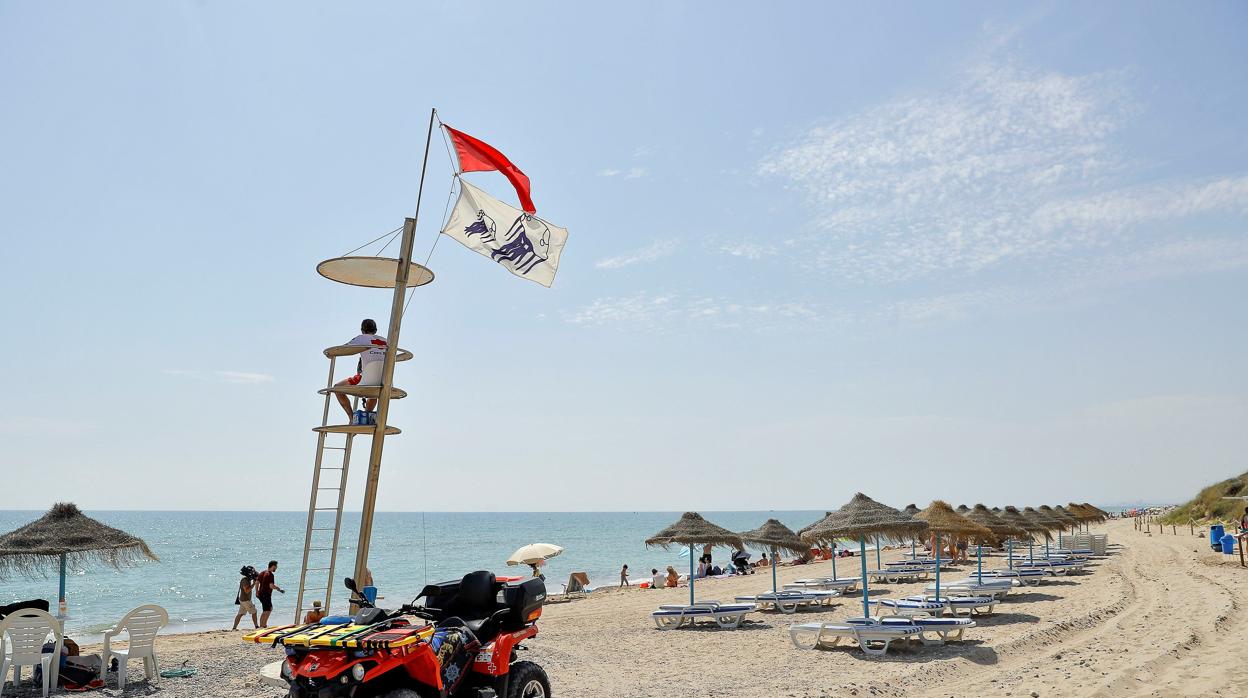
<point x="526" y="245"/>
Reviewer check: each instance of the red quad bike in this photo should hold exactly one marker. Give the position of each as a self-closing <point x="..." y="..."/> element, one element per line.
<point x="495" y="616"/>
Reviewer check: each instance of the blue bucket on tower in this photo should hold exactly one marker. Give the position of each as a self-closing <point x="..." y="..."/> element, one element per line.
<point x="1216" y="531"/>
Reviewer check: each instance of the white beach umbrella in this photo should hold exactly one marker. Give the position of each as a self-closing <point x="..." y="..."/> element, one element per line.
<point x="534" y="553"/>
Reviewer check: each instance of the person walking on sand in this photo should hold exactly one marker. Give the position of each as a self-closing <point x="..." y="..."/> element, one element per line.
<point x="265" y="584"/>
<point x="243" y="599"/>
<point x="624" y="576"/>
<point x="368" y="368"/>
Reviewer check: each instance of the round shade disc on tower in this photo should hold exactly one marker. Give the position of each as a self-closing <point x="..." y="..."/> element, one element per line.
<point x="371" y="272"/>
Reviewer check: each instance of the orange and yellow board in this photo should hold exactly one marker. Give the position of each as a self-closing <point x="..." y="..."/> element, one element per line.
<point x="345" y="636"/>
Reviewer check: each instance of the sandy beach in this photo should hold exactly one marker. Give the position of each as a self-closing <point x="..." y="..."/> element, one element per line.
<point x="1158" y="617"/>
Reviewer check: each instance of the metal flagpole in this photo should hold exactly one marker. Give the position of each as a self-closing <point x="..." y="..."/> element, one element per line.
<point x="387" y="375"/>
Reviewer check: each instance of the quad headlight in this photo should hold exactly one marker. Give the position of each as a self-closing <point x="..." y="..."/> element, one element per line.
<point x="357" y="672"/>
<point x="287" y="673"/>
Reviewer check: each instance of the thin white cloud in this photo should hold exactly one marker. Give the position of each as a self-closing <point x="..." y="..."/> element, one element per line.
<point x="746" y="250"/>
<point x="659" y="311"/>
<point x="231" y="377"/>
<point x="630" y="173"/>
<point x="654" y="251"/>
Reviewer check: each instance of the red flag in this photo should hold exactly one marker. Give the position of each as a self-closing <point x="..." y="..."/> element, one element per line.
<point x="478" y="156"/>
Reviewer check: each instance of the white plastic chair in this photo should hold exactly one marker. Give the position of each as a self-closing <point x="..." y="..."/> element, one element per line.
<point x="22" y="636"/>
<point x="142" y="624"/>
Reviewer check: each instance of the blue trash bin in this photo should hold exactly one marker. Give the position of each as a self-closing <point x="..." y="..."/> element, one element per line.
<point x="370" y="593"/>
<point x="1216" y="531"/>
<point x="1228" y="544"/>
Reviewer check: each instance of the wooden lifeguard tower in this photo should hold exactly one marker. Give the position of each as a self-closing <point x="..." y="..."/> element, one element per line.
<point x="325" y="504"/>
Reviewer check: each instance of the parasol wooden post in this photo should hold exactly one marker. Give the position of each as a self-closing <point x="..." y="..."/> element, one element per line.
<point x="62" y="608"/>
<point x="862" y="555"/>
<point x="773" y="571"/>
<point x="937" y="546"/>
<point x="691" y="574"/>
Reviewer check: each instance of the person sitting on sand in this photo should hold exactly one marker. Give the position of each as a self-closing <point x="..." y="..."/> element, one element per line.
<point x="368" y="368"/>
<point x="672" y="578"/>
<point x="315" y="615"/>
<point x="656" y="579"/>
<point x="763" y="561"/>
<point x="702" y="568"/>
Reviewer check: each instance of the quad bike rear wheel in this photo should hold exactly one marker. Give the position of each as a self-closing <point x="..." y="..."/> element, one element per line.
<point x="528" y="680"/>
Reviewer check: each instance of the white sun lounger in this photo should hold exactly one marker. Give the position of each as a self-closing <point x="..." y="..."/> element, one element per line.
<point x="897" y="575"/>
<point x="1052" y="567"/>
<point x="872" y="636"/>
<point x="786" y="601"/>
<point x="996" y="588"/>
<point x="944" y="629"/>
<point x="908" y="607"/>
<point x="729" y="616"/>
<point x="824" y="584"/>
<point x="961" y="605"/>
<point x="1019" y="577"/>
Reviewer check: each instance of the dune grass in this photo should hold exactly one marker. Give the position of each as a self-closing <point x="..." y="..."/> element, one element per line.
<point x="1209" y="504"/>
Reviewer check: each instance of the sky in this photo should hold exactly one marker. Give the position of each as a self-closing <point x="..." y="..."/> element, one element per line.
<point x="975" y="251"/>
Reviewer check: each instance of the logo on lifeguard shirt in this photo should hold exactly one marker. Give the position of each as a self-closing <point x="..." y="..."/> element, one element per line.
<point x="517" y="246"/>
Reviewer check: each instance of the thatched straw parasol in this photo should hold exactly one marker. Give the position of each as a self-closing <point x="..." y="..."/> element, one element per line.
<point x="1082" y="513"/>
<point x="1066" y="516"/>
<point x="1042" y="519"/>
<point x="774" y="535"/>
<point x="809" y="526"/>
<point x="1014" y="517"/>
<point x="1000" y="530"/>
<point x="66" y="538"/>
<point x="942" y="519"/>
<point x="860" y="518"/>
<point x="1099" y="512"/>
<point x="910" y="511"/>
<point x="691" y="529"/>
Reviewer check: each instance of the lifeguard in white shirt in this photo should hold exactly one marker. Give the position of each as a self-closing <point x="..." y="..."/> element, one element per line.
<point x="368" y="369"/>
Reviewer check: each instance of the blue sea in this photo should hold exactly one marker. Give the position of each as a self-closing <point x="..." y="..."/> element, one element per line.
<point x="201" y="552"/>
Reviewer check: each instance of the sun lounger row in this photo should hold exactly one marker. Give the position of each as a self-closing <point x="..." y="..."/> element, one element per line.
<point x="874" y="636"/>
<point x="671" y="616"/>
<point x="789" y="601"/>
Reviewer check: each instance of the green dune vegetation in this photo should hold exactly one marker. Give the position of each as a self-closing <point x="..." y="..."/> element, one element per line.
<point x="1210" y="504"/>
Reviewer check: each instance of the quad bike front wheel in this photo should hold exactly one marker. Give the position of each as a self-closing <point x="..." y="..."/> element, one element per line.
<point x="528" y="680"/>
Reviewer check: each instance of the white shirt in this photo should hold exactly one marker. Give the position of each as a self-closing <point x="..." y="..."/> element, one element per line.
<point x="659" y="580"/>
<point x="378" y="353"/>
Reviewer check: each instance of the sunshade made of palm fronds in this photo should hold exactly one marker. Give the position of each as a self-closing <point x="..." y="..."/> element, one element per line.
<point x="692" y="529"/>
<point x="38" y="546"/>
<point x="863" y="516"/>
<point x="775" y="535"/>
<point x="942" y="519"/>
